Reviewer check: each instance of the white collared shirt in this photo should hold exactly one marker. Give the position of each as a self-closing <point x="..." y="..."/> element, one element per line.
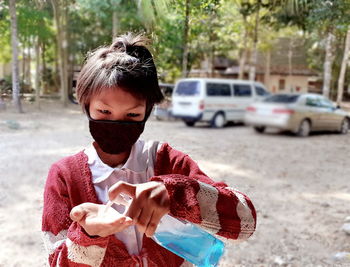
<point x="138" y="169"/>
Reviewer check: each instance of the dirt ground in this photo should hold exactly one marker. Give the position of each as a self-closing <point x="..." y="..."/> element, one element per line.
<point x="300" y="186"/>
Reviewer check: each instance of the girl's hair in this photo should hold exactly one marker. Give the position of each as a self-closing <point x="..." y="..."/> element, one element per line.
<point x="126" y="64"/>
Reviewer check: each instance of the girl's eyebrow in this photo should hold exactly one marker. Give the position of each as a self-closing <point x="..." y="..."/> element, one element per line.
<point x="105" y="103"/>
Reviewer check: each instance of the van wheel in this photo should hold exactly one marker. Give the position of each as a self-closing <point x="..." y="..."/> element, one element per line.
<point x="190" y="123"/>
<point x="304" y="129"/>
<point x="259" y="129"/>
<point x="218" y="121"/>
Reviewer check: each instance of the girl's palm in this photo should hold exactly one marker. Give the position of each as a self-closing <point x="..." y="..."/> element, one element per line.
<point x="99" y="220"/>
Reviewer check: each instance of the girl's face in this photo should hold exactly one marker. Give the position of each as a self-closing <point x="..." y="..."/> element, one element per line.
<point x="117" y="104"/>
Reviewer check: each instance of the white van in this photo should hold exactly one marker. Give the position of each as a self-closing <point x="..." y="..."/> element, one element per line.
<point x="216" y="101"/>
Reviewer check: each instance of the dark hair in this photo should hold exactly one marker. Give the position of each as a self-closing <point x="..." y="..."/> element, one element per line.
<point x="126" y="64"/>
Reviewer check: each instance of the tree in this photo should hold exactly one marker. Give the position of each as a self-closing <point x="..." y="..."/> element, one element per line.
<point x="185" y="39"/>
<point x="60" y="9"/>
<point x="15" y="72"/>
<point x="254" y="9"/>
<point x="324" y="17"/>
<point x="254" y="56"/>
<point x="328" y="62"/>
<point x="104" y="9"/>
<point x="245" y="50"/>
<point x="34" y="29"/>
<point x="343" y="67"/>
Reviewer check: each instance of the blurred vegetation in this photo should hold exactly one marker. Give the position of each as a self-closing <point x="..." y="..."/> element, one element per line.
<point x="184" y="33"/>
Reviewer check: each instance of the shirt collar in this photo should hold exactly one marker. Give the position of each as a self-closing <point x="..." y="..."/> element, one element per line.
<point x="136" y="162"/>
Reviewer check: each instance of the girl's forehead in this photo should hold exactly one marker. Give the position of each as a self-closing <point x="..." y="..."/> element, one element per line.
<point x="116" y="94"/>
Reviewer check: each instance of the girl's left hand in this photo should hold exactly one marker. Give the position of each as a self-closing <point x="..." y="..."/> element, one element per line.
<point x="150" y="203"/>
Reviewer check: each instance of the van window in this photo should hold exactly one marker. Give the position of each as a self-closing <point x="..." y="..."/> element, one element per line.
<point x="189" y="88"/>
<point x="218" y="89"/>
<point x="261" y="91"/>
<point x="242" y="90"/>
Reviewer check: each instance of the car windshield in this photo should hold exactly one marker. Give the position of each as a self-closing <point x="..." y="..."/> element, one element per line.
<point x="282" y="98"/>
<point x="188" y="88"/>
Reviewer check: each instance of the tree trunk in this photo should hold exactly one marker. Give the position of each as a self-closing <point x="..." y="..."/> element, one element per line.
<point x="29" y="69"/>
<point x="115" y="24"/>
<point x="43" y="69"/>
<point x="343" y="68"/>
<point x="15" y="79"/>
<point x="185" y="40"/>
<point x="64" y="93"/>
<point x="212" y="51"/>
<point x="57" y="69"/>
<point x="24" y="60"/>
<point x="327" y="72"/>
<point x="254" y="56"/>
<point x="244" y="52"/>
<point x="267" y="69"/>
<point x="290" y="66"/>
<point x="60" y="15"/>
<point x="212" y="61"/>
<point x="37" y="73"/>
<point x="242" y="62"/>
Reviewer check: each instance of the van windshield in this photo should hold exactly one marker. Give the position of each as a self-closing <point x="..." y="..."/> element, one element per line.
<point x="189" y="88"/>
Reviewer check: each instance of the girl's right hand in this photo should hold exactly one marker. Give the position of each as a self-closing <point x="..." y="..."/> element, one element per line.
<point x="97" y="221"/>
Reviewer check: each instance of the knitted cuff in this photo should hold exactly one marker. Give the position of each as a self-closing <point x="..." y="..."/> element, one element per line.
<point x="77" y="234"/>
<point x="182" y="192"/>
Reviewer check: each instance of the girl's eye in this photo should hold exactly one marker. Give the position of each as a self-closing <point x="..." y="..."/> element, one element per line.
<point x="104" y="111"/>
<point x="133" y="115"/>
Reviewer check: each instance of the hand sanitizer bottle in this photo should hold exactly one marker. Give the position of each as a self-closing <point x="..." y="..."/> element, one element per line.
<point x="185" y="240"/>
<point x="189" y="241"/>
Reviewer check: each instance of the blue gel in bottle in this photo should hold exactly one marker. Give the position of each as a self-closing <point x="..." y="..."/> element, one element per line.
<point x="189" y="242"/>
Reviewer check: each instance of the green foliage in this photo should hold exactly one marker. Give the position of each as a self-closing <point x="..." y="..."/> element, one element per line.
<point x="329" y="15"/>
<point x="216" y="28"/>
<point x="90" y="24"/>
<point x="5" y="39"/>
<point x="33" y="23"/>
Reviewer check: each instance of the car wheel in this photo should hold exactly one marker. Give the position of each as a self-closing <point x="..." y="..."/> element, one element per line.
<point x="190" y="123"/>
<point x="259" y="129"/>
<point x="218" y="121"/>
<point x="304" y="129"/>
<point x="344" y="128"/>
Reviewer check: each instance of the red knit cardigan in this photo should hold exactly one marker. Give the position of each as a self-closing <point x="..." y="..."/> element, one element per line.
<point x="194" y="197"/>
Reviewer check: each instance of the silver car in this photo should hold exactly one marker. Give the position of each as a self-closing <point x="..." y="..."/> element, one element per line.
<point x="297" y="113"/>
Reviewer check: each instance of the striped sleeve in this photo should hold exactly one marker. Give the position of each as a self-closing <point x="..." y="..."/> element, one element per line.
<point x="217" y="208"/>
<point x="65" y="241"/>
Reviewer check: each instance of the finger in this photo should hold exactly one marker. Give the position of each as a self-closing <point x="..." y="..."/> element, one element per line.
<point x="153" y="223"/>
<point x="118" y="225"/>
<point x="124" y="225"/>
<point x="78" y="213"/>
<point x="134" y="210"/>
<point x="144" y="219"/>
<point x="121" y="187"/>
<point x="124" y="221"/>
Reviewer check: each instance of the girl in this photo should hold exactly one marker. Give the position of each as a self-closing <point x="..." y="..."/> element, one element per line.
<point x="117" y="89"/>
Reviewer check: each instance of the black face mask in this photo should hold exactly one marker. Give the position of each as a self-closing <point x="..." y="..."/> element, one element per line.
<point x="115" y="137"/>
